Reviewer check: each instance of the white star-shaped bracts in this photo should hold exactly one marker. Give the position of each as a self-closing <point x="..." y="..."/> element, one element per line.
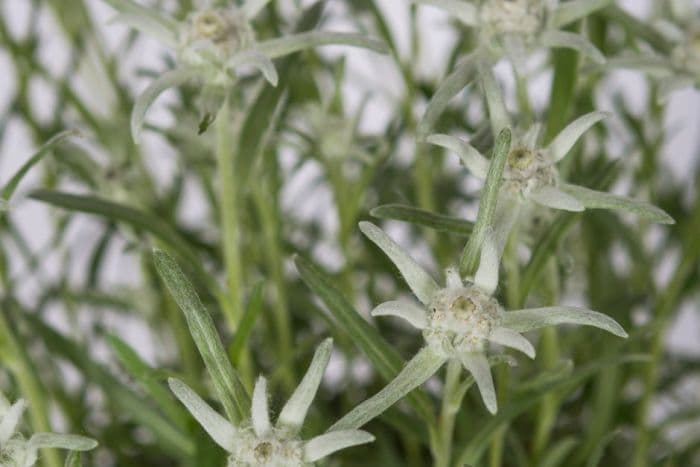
<point x="213" y="43"/>
<point x="17" y="451"/>
<point x="460" y="320"/>
<point x="259" y="443"/>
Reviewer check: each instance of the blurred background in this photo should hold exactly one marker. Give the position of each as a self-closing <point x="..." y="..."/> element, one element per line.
<point x="65" y="65"/>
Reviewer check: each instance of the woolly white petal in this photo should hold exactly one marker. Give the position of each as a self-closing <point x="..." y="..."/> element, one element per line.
<point x="414" y="314"/>
<point x="294" y="411"/>
<point x="10" y="419"/>
<point x="571" y="11"/>
<point x="220" y="430"/>
<point x="570" y="40"/>
<point x="60" y="441"/>
<point x="565" y="140"/>
<point x="514" y="340"/>
<point x="478" y="366"/>
<point x="286" y="45"/>
<point x="463" y="11"/>
<point x="535" y="318"/>
<point x="486" y="276"/>
<point x="256" y="59"/>
<point x="420" y="282"/>
<point x="452" y="278"/>
<point x="260" y="414"/>
<point x="167" y="80"/>
<point x="470" y="156"/>
<point x="530" y="138"/>
<point x="553" y="197"/>
<point x="328" y="443"/>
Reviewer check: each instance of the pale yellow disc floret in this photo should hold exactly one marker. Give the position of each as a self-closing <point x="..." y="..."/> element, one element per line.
<point x="524" y="17"/>
<point x="274" y="450"/>
<point x="527" y="170"/>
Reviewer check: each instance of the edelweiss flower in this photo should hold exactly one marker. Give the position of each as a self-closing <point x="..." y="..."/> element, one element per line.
<point x="515" y="27"/>
<point x="16" y="451"/>
<point x="459" y="321"/>
<point x="260" y="444"/>
<point x="680" y="67"/>
<point x="211" y="44"/>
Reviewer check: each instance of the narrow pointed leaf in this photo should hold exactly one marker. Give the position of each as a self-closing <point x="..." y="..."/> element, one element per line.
<point x="73" y="459"/>
<point x="470" y="157"/>
<point x="11" y="419"/>
<point x="449" y="87"/>
<point x="324" y="445"/>
<point x="257" y="60"/>
<point x="414" y="314"/>
<point x="148" y="26"/>
<point x="593" y="199"/>
<point x="478" y="365"/>
<point x="251" y="8"/>
<point x="229" y="388"/>
<point x="420" y="282"/>
<point x="555" y="198"/>
<point x="568" y="12"/>
<point x="274" y="48"/>
<point x="570" y="40"/>
<point x="384" y="357"/>
<point x="498" y="115"/>
<point x="487" y="205"/>
<point x="294" y="411"/>
<point x="514" y="340"/>
<point x="245" y="326"/>
<point x="10" y="187"/>
<point x="260" y="414"/>
<point x="535" y="318"/>
<point x="565" y="140"/>
<point x="165" y="81"/>
<point x="147" y="20"/>
<point x="60" y="441"/>
<point x="220" y="429"/>
<point x="416" y="372"/>
<point x="413" y="215"/>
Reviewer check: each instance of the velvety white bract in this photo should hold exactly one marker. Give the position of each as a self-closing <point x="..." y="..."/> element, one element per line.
<point x="460" y="320"/>
<point x="213" y="43"/>
<point x="261" y="444"/>
<point x="18" y="451"/>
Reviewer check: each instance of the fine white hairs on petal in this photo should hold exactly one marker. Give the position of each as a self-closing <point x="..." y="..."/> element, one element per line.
<point x="553" y="197"/>
<point x="420" y="282"/>
<point x="220" y="430"/>
<point x="11" y="419"/>
<point x="565" y="140"/>
<point x="452" y="278"/>
<point x="294" y="411"/>
<point x="260" y="414"/>
<point x="514" y="340"/>
<point x="414" y="314"/>
<point x="535" y="318"/>
<point x="487" y="275"/>
<point x="324" y="445"/>
<point x="478" y="366"/>
<point x="470" y="156"/>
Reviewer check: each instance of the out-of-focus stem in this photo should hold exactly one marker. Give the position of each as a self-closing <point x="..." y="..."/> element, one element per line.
<point x="442" y="442"/>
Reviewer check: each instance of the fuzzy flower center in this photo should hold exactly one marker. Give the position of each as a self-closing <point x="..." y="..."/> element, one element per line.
<point x="526" y="170"/>
<point x="512" y="16"/>
<point x="461" y="320"/>
<point x="272" y="451"/>
<point x="214" y="35"/>
<point x="14" y="452"/>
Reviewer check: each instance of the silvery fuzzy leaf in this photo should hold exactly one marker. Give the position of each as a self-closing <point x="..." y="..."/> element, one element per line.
<point x="570" y="40"/>
<point x="415" y="315"/>
<point x="514" y="340"/>
<point x="478" y="365"/>
<point x="61" y="441"/>
<point x="251" y="8"/>
<point x="420" y="282"/>
<point x="555" y="198"/>
<point x="10" y="419"/>
<point x="259" y="413"/>
<point x="565" y="140"/>
<point x="326" y="444"/>
<point x="274" y="48"/>
<point x="152" y="22"/>
<point x="568" y="12"/>
<point x="535" y="318"/>
<point x="256" y="59"/>
<point x="470" y="156"/>
<point x="486" y="276"/>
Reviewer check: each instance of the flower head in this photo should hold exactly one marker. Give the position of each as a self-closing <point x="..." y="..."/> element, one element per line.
<point x="212" y="44"/>
<point x="17" y="451"/>
<point x="259" y="443"/>
<point x="462" y="319"/>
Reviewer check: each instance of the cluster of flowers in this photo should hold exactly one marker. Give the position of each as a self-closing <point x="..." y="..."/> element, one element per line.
<point x="460" y="320"/>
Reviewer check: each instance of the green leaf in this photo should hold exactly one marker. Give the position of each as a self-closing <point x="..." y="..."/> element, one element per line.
<point x="10" y="187"/>
<point x="416" y="372"/>
<point x="593" y="199"/>
<point x="383" y="356"/>
<point x="487" y="205"/>
<point x="73" y="459"/>
<point x="232" y="394"/>
<point x="148" y="379"/>
<point x="413" y="215"/>
<point x="245" y="327"/>
<point x="558" y="453"/>
<point x="286" y="45"/>
<point x="536" y="318"/>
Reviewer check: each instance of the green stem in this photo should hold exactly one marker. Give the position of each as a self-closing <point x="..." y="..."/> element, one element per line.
<point x="451" y="401"/>
<point x="29" y="386"/>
